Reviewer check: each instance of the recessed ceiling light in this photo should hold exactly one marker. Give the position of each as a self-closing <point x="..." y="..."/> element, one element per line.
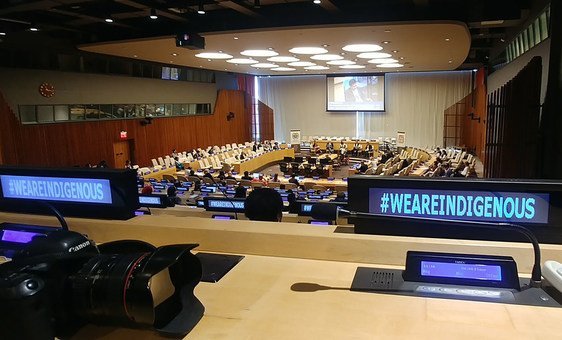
<point x="201" y="8"/>
<point x="108" y="20"/>
<point x="175" y="54"/>
<point x="447" y="39"/>
<point x="235" y="38"/>
<point x="382" y="61"/>
<point x="386" y="42"/>
<point x="2" y="33"/>
<point x="317" y="2"/>
<point x="302" y="63"/>
<point x="264" y="65"/>
<point x="352" y="66"/>
<point x="308" y="50"/>
<point x="135" y="56"/>
<point x="362" y="48"/>
<point x="326" y="57"/>
<point x="317" y="67"/>
<point x="341" y="62"/>
<point x="394" y="51"/>
<point x="259" y="53"/>
<point x="242" y="61"/>
<point x="374" y="55"/>
<point x="283" y="69"/>
<point x="387" y="30"/>
<point x="213" y="55"/>
<point x="450" y="61"/>
<point x="153" y="15"/>
<point x="394" y="65"/>
<point x="283" y="59"/>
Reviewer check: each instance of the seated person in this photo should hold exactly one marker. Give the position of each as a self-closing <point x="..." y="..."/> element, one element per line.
<point x="240" y="191"/>
<point x="179" y="165"/>
<point x="294" y="180"/>
<point x="356" y="149"/>
<point x="316" y="148"/>
<point x="147" y="190"/>
<point x="206" y="173"/>
<point x="222" y="175"/>
<point x="340" y="197"/>
<point x="364" y="167"/>
<point x="275" y="146"/>
<point x="343" y="148"/>
<point x="330" y="147"/>
<point x="369" y="150"/>
<point x="192" y="173"/>
<point x="246" y="176"/>
<point x="275" y="178"/>
<point x="229" y="176"/>
<point x="264" y="204"/>
<point x="173" y="199"/>
<point x="292" y="199"/>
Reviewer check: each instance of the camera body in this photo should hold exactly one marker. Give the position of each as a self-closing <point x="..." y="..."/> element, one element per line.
<point x="61" y="281"/>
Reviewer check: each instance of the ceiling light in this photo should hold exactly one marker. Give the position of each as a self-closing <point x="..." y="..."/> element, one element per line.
<point x="308" y="50"/>
<point x="317" y="2"/>
<point x="175" y="54"/>
<point x="283" y="69"/>
<point x="341" y="62"/>
<point x="374" y="55"/>
<point x="235" y="38"/>
<point x="382" y="61"/>
<point x="401" y="58"/>
<point x="317" y="67"/>
<point x="153" y="15"/>
<point x="259" y="53"/>
<point x="33" y="29"/>
<point x="386" y="42"/>
<point x="201" y="8"/>
<point x="108" y="20"/>
<point x="450" y="61"/>
<point x="242" y="61"/>
<point x="283" y="59"/>
<point x="2" y="33"/>
<point x="394" y="65"/>
<point x="264" y="65"/>
<point x="213" y="55"/>
<point x="387" y="30"/>
<point x="327" y="57"/>
<point x="135" y="56"/>
<point x="394" y="51"/>
<point x="352" y="66"/>
<point x="362" y="48"/>
<point x="302" y="63"/>
<point x="447" y="39"/>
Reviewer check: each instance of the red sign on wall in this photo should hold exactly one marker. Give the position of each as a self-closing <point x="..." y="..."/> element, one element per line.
<point x="123" y="134"/>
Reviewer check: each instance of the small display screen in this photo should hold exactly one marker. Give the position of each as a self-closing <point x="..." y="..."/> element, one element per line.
<point x="461" y="271"/>
<point x="149" y="200"/>
<point x="226" y="204"/>
<point x="306" y="207"/>
<point x="200" y="203"/>
<point x="223" y="217"/>
<point x="18" y="236"/>
<point x="319" y="222"/>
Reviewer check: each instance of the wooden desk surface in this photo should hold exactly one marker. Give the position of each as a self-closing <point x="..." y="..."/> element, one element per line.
<point x="257" y="300"/>
<point x="263" y="160"/>
<point x="158" y="174"/>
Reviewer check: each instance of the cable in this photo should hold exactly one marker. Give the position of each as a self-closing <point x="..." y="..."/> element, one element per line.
<point x="57" y="213"/>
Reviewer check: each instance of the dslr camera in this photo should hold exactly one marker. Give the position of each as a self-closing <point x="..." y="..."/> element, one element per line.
<point x="61" y="281"/>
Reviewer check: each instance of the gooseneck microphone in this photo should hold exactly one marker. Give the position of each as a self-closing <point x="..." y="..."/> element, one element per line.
<point x="333" y="212"/>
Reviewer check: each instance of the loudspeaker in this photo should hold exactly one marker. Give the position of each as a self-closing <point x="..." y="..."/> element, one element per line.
<point x="230" y="116"/>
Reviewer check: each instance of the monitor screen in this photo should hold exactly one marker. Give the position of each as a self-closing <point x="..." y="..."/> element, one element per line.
<point x="461" y="270"/>
<point x="18" y="236"/>
<point x="355" y="93"/>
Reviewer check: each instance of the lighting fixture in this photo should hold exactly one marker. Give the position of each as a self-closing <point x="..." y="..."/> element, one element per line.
<point x="175" y="54"/>
<point x="450" y="61"/>
<point x="387" y="30"/>
<point x="33" y="29"/>
<point x="201" y="8"/>
<point x="386" y="42"/>
<point x="317" y="2"/>
<point x="2" y="33"/>
<point x="283" y="69"/>
<point x="362" y="48"/>
<point x="352" y="66"/>
<point x="108" y="20"/>
<point x="153" y="15"/>
<point x="242" y="61"/>
<point x="382" y="61"/>
<point x="301" y="63"/>
<point x="283" y="59"/>
<point x="308" y="50"/>
<point x="394" y="65"/>
<point x="374" y="55"/>
<point x="213" y="55"/>
<point x="264" y="65"/>
<point x="235" y="38"/>
<point x="447" y="39"/>
<point x="259" y="53"/>
<point x="316" y="68"/>
<point x="341" y="62"/>
<point x="326" y="57"/>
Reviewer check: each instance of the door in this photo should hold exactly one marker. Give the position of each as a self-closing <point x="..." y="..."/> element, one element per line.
<point x="121" y="153"/>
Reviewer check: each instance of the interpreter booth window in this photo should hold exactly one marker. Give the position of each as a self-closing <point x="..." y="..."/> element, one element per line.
<point x="44" y="113"/>
<point x="179" y="109"/>
<point x="169" y="111"/>
<point x="160" y="110"/>
<point x="61" y="112"/>
<point x="203" y="109"/>
<point x="27" y="114"/>
<point x="105" y="111"/>
<point x="77" y="112"/>
<point x="92" y="111"/>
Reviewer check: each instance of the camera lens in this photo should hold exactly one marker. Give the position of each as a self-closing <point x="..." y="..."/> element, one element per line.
<point x="150" y="289"/>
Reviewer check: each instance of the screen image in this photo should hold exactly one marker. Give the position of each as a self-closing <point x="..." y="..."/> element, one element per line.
<point x="355" y="93"/>
<point x="461" y="271"/>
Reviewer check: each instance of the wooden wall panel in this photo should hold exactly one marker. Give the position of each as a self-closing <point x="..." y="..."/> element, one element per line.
<point x="266" y="121"/>
<point x="68" y="144"/>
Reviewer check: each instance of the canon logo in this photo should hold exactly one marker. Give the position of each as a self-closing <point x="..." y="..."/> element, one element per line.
<point x="78" y="247"/>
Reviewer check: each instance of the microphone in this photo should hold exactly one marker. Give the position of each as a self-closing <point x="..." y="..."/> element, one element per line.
<point x="326" y="211"/>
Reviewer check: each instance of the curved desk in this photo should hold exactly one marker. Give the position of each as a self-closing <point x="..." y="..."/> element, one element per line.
<point x="263" y="160"/>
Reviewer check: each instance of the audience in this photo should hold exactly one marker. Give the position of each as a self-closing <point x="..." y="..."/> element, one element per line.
<point x="264" y="204"/>
<point x="246" y="176"/>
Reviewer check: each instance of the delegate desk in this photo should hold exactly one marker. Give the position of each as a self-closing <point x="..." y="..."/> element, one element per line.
<point x="158" y="174"/>
<point x="263" y="160"/>
<point x="294" y="283"/>
<point x="322" y="144"/>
